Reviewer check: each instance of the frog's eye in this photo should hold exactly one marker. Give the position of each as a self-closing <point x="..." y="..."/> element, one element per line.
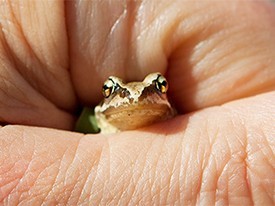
<point x="108" y="88"/>
<point x="161" y="84"/>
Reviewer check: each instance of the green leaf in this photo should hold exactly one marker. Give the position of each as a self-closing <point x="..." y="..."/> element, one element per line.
<point x="87" y="123"/>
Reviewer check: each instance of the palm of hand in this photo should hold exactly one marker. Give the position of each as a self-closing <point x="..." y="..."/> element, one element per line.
<point x="51" y="64"/>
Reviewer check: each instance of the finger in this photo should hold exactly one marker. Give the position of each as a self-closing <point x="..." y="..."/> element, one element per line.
<point x="35" y="85"/>
<point x="229" y="55"/>
<point x="212" y="52"/>
<point x="229" y="159"/>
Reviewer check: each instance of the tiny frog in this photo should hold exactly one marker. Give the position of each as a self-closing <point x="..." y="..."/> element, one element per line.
<point x="128" y="106"/>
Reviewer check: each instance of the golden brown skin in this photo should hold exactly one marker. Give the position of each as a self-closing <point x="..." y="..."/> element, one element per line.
<point x="129" y="106"/>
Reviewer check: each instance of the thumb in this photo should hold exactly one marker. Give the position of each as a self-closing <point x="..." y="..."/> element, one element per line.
<point x="212" y="52"/>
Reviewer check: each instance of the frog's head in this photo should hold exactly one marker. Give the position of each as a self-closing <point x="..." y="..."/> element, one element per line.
<point x="135" y="104"/>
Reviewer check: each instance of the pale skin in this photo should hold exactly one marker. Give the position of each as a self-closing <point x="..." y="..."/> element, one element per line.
<point x="219" y="60"/>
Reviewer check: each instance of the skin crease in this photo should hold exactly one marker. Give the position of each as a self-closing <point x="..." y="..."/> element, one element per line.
<point x="214" y="54"/>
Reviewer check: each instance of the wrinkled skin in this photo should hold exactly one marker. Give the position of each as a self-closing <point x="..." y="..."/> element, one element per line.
<point x="219" y="59"/>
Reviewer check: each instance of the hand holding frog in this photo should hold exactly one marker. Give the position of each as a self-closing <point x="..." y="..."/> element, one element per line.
<point x="218" y="149"/>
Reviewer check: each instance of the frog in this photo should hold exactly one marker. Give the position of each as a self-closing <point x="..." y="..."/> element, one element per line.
<point x="133" y="105"/>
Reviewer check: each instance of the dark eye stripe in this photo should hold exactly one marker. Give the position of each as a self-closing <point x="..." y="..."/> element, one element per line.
<point x="112" y="80"/>
<point x="105" y="86"/>
<point x="161" y="84"/>
<point x="115" y="84"/>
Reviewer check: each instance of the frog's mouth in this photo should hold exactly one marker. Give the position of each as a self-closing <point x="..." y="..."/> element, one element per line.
<point x="135" y="116"/>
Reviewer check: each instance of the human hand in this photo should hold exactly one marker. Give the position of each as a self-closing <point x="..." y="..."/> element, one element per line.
<point x="219" y="149"/>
